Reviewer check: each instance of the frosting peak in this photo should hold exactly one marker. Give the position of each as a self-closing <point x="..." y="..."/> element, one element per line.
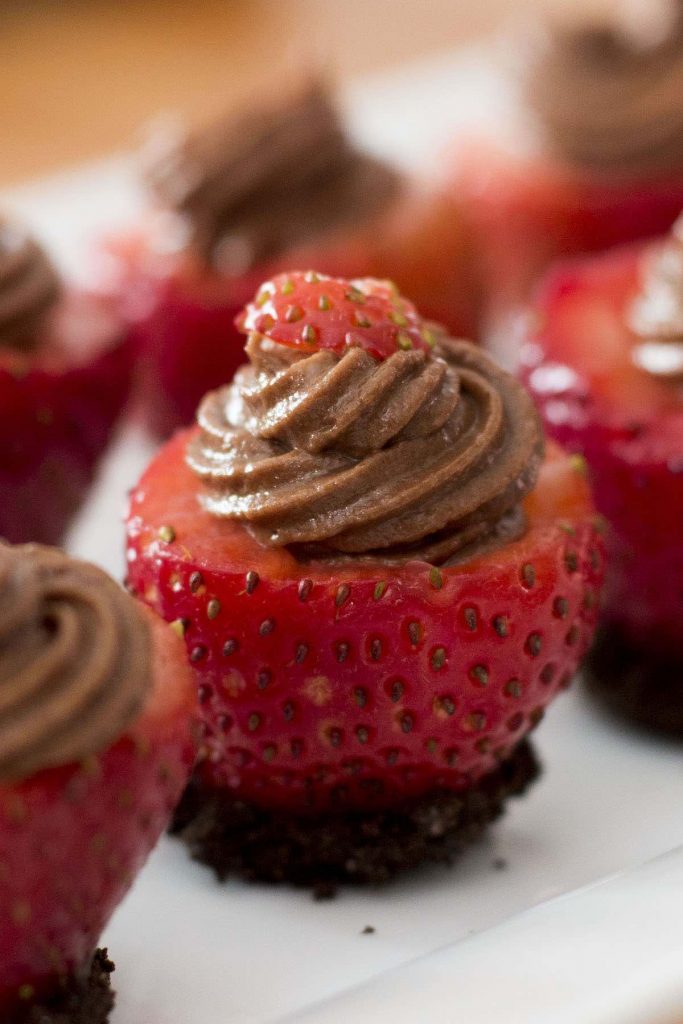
<point x="74" y="660"/>
<point x="424" y="455"/>
<point x="609" y="93"/>
<point x="29" y="287"/>
<point x="252" y="186"/>
<point x="656" y="316"/>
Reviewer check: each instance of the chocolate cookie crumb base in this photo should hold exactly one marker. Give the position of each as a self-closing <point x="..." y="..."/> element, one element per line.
<point x="638" y="685"/>
<point x="235" y="838"/>
<point x="88" y="999"/>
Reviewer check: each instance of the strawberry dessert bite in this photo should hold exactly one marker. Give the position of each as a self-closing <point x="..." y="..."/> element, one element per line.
<point x="595" y="156"/>
<point x="277" y="186"/>
<point x="605" y="363"/>
<point x="65" y="360"/>
<point x="95" y="749"/>
<point x="381" y="582"/>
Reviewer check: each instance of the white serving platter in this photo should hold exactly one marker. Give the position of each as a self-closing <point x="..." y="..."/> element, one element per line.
<point x="189" y="951"/>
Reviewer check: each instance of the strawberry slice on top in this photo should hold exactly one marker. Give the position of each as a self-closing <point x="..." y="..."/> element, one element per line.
<point x="312" y="311"/>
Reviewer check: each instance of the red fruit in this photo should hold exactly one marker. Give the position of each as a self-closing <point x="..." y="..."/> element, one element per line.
<point x="72" y="839"/>
<point x="312" y="311"/>
<point x="527" y="211"/>
<point x="628" y="425"/>
<point x="58" y="409"/>
<point x="314" y="679"/>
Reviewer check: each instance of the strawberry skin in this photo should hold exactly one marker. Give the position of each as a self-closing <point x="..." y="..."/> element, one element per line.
<point x="364" y="684"/>
<point x="72" y="839"/>
<point x="628" y="426"/>
<point x="57" y="412"/>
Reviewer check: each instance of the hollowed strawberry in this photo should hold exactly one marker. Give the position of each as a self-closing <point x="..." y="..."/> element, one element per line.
<point x="58" y="409"/>
<point x="73" y="838"/>
<point x="358" y="687"/>
<point x="629" y="426"/>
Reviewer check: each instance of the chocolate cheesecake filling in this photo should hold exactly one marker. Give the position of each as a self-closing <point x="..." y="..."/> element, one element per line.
<point x="656" y="317"/>
<point x="609" y="93"/>
<point x="425" y="455"/>
<point x="250" y="187"/>
<point x="75" y="660"/>
<point x="29" y="287"/>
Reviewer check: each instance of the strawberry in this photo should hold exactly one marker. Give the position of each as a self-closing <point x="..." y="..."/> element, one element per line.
<point x="526" y="211"/>
<point x="361" y="684"/>
<point x="58" y="408"/>
<point x="72" y="839"/>
<point x="311" y="311"/>
<point x="629" y="426"/>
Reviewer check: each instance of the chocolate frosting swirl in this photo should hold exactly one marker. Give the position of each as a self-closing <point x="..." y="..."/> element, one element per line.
<point x="74" y="660"/>
<point x="656" y="316"/>
<point x="610" y="94"/>
<point x="29" y="287"/>
<point x="419" y="456"/>
<point x="252" y="186"/>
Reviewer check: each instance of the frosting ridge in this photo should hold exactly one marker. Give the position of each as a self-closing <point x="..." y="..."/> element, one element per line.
<point x="75" y="663"/>
<point x="422" y="455"/>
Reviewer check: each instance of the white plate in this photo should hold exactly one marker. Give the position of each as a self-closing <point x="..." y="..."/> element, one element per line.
<point x="189" y="951"/>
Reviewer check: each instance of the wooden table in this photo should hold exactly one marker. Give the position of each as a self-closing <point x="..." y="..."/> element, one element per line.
<point x="79" y="78"/>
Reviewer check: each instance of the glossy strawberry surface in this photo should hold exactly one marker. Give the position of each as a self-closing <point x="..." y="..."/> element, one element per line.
<point x="629" y="426"/>
<point x="58" y="409"/>
<point x="72" y="839"/>
<point x="364" y="683"/>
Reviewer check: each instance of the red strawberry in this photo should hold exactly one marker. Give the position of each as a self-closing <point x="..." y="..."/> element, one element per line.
<point x="364" y="684"/>
<point x="630" y="428"/>
<point x="73" y="838"/>
<point x="58" y="409"/>
<point x="312" y="311"/>
<point x="526" y="211"/>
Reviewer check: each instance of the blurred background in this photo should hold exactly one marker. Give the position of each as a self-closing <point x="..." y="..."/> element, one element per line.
<point x="78" y="78"/>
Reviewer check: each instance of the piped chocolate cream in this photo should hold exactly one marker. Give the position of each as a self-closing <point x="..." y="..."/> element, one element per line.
<point x="249" y="187"/>
<point x="29" y="287"/>
<point x="609" y="92"/>
<point x="423" y="455"/>
<point x="656" y="316"/>
<point x="75" y="660"/>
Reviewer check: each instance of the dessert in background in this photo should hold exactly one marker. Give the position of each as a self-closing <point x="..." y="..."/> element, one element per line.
<point x="95" y="749"/>
<point x="381" y="581"/>
<point x="279" y="185"/>
<point x="597" y="157"/>
<point x="65" y="368"/>
<point x="604" y="360"/>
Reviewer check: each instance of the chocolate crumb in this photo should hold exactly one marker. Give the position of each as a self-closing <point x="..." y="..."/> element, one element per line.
<point x="367" y="848"/>
<point x="88" y="999"/>
<point x="368" y="930"/>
